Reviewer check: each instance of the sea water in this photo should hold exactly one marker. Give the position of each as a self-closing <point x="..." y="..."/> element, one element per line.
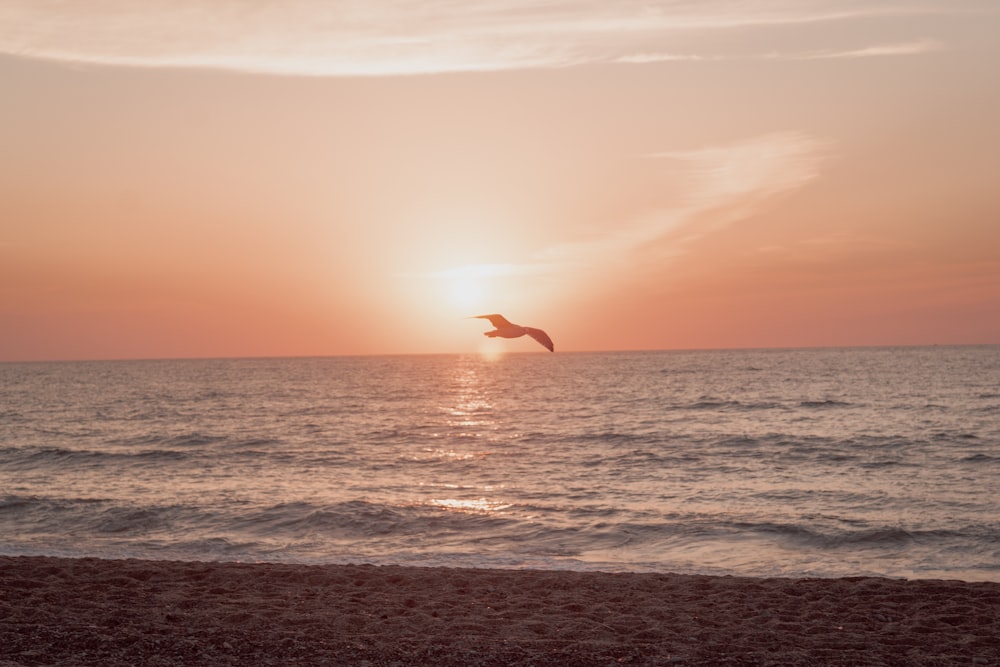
<point x="822" y="462"/>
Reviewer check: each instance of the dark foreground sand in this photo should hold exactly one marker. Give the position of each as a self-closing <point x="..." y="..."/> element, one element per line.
<point x="100" y="612"/>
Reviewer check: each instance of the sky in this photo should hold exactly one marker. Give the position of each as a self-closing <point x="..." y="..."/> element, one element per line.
<point x="209" y="178"/>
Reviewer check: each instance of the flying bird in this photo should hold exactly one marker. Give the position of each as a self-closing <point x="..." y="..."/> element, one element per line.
<point x="505" y="329"/>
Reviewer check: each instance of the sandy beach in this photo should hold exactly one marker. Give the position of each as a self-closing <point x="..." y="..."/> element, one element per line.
<point x="131" y="612"/>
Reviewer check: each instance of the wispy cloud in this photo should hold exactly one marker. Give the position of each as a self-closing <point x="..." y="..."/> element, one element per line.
<point x="381" y="37"/>
<point x="644" y="58"/>
<point x="900" y="49"/>
<point x="875" y="51"/>
<point x="759" y="166"/>
<point x="726" y="184"/>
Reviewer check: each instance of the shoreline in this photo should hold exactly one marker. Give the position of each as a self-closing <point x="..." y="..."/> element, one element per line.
<point x="88" y="611"/>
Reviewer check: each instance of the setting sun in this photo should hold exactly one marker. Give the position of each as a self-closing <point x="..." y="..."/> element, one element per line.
<point x="479" y="287"/>
<point x="466" y="290"/>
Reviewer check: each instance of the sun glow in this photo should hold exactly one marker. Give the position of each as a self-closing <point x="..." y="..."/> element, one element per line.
<point x="470" y="287"/>
<point x="466" y="292"/>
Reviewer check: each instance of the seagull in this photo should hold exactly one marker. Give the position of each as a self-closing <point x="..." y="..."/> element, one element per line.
<point x="505" y="329"/>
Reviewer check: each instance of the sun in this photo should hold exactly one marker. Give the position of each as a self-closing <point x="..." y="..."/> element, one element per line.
<point x="470" y="287"/>
<point x="465" y="291"/>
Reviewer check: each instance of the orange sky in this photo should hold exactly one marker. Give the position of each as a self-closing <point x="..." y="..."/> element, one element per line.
<point x="192" y="178"/>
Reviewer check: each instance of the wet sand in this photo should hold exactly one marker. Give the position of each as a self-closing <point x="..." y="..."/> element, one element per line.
<point x="57" y="611"/>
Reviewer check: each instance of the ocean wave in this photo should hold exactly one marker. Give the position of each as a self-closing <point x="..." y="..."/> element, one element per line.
<point x="194" y="439"/>
<point x="642" y="458"/>
<point x="826" y="403"/>
<point x="360" y="519"/>
<point x="606" y="437"/>
<point x="952" y="435"/>
<point x="718" y="404"/>
<point x="87" y="519"/>
<point x="979" y="457"/>
<point x="131" y="520"/>
<point x="149" y="450"/>
<point x="12" y="417"/>
<point x="882" y="536"/>
<point x="38" y="458"/>
<point x="212" y="548"/>
<point x="889" y="463"/>
<point x="187" y="441"/>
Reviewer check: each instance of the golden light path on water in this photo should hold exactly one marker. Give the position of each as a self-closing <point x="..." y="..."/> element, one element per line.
<point x="476" y="505"/>
<point x="469" y="417"/>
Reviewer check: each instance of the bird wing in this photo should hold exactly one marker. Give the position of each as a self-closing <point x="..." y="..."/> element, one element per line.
<point x="499" y="321"/>
<point x="541" y="337"/>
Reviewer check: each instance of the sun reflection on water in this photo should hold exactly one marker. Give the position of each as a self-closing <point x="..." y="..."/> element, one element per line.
<point x="469" y="413"/>
<point x="472" y="406"/>
<point x="470" y="506"/>
<point x="452" y="454"/>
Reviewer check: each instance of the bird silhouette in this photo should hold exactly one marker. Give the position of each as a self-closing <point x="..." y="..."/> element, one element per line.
<point x="505" y="329"/>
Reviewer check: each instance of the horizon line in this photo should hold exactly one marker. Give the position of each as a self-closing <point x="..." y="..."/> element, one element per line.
<point x="777" y="348"/>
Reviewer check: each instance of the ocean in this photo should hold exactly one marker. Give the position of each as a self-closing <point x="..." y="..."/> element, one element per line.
<point x="804" y="463"/>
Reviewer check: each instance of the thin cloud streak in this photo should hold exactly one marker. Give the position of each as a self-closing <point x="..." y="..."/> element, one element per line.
<point x="389" y="37"/>
<point x="904" y="49"/>
<point x="877" y="51"/>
